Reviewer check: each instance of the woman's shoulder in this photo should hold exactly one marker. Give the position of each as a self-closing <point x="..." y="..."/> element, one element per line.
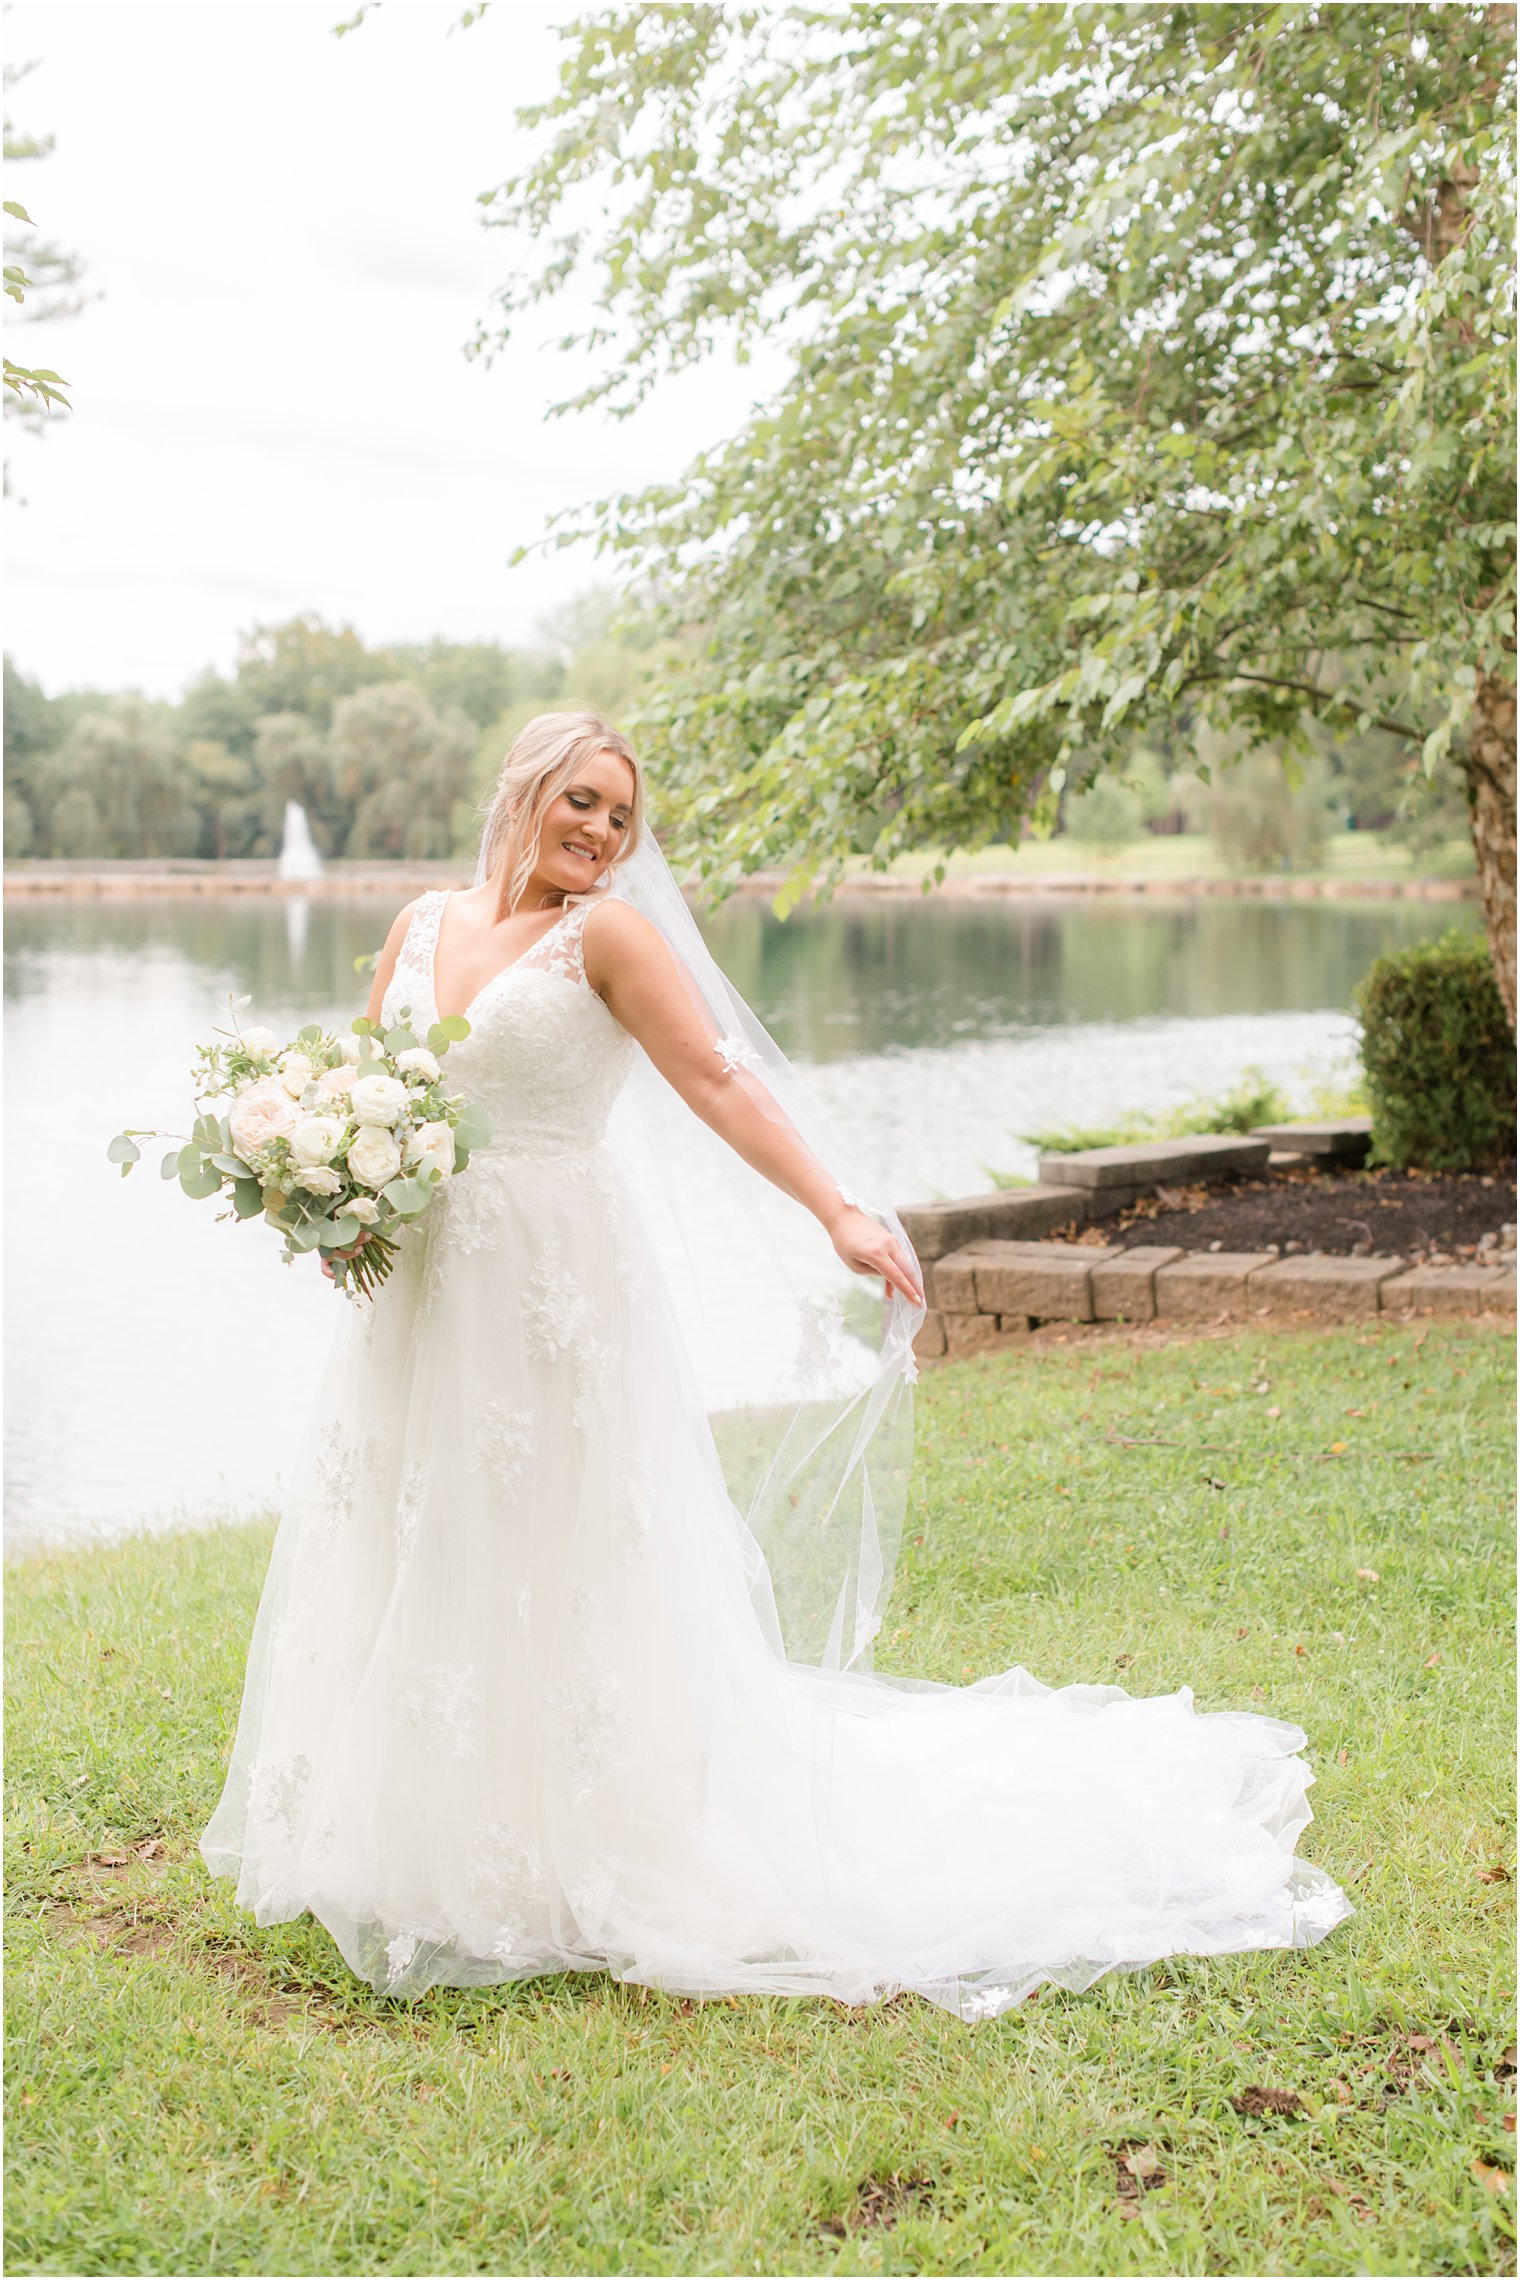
<point x="619" y="944"/>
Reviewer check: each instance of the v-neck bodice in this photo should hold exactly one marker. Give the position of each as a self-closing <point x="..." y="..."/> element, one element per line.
<point x="544" y="1058"/>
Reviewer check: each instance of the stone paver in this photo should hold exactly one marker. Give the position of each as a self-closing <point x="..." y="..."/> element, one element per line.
<point x="1317" y="1282"/>
<point x="1049" y="1282"/>
<point x="979" y="1333"/>
<point x="1124" y="1287"/>
<point x="929" y="1343"/>
<point x="1499" y="1295"/>
<point x="952" y="1280"/>
<point x="1206" y="1283"/>
<point x="1149" y="1163"/>
<point x="1443" y="1290"/>
<point x="935" y="1229"/>
<point x="1340" y="1139"/>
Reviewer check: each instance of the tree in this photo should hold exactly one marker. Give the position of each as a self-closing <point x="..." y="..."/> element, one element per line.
<point x="114" y="787"/>
<point x="406" y="771"/>
<point x="37" y="270"/>
<point x="1140" y="357"/>
<point x="304" y="665"/>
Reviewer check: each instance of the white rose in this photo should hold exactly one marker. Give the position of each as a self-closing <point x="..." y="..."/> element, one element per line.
<point x="315" y="1141"/>
<point x="263" y="1113"/>
<point x="319" y="1179"/>
<point x="259" y="1042"/>
<point x="350" y="1046"/>
<point x="334" y="1084"/>
<point x="419" y="1061"/>
<point x="364" y="1209"/>
<point x="434" y="1144"/>
<point x="374" y="1157"/>
<point x="378" y="1100"/>
<point x="295" y="1073"/>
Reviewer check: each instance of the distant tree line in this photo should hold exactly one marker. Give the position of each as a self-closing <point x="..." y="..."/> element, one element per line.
<point x="387" y="749"/>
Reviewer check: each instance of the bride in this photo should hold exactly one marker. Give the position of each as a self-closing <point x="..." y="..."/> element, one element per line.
<point x="544" y="1680"/>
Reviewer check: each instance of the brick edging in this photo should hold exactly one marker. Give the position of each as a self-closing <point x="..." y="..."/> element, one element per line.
<point x="989" y="1292"/>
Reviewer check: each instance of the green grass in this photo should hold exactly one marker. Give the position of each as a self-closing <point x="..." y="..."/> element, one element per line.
<point x="189" y="2094"/>
<point x="1186" y="855"/>
<point x="1254" y="1100"/>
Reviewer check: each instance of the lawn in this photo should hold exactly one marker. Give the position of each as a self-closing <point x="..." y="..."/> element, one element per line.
<point x="1318" y="1522"/>
<point x="1368" y="855"/>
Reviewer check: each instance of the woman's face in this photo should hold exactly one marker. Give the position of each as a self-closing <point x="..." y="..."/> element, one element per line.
<point x="586" y="824"/>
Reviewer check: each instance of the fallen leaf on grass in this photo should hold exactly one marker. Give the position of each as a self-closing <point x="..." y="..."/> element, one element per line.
<point x="1505" y="2070"/>
<point x="1490" y="2176"/>
<point x="1259" y="2098"/>
<point x="1138" y="2170"/>
<point x="1430" y="1662"/>
<point x="1509" y="2123"/>
<point x="1498" y="1874"/>
<point x="1343" y="1757"/>
<point x="1368" y="1575"/>
<point x="1352" y="2199"/>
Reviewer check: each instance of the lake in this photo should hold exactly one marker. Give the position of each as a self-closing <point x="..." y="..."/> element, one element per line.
<point x="157" y="1363"/>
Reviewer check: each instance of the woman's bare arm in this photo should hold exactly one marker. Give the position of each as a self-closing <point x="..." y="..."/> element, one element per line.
<point x="632" y="968"/>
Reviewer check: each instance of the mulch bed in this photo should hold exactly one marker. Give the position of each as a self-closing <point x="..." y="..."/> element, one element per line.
<point x="1427" y="1218"/>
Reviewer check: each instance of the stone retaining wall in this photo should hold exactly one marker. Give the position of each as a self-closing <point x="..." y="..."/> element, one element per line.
<point x="994" y="1271"/>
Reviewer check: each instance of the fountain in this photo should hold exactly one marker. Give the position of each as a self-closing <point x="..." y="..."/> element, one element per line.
<point x="298" y="852"/>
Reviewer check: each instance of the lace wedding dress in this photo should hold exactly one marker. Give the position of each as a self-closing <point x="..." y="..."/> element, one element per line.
<point x="517" y="1700"/>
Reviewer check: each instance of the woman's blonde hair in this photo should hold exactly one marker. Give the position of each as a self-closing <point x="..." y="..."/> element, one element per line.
<point x="545" y="757"/>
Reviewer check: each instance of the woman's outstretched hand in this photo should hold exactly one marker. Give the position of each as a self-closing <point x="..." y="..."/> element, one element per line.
<point x="868" y="1249"/>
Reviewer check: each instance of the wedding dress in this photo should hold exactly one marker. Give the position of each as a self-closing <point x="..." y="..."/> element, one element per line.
<point x="520" y="1697"/>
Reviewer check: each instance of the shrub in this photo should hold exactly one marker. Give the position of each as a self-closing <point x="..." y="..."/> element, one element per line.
<point x="1106" y="817"/>
<point x="1253" y="1100"/>
<point x="1438" y="1056"/>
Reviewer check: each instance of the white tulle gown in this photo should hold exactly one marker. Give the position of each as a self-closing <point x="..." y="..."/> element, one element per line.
<point x="516" y="1700"/>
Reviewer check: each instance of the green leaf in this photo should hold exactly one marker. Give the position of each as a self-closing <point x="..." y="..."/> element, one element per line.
<point x="400" y="1039"/>
<point x="247" y="1198"/>
<point x="19" y="213"/>
<point x="473" y="1129"/>
<point x="123" y="1151"/>
<point x="309" y="1036"/>
<point x="169" y="1168"/>
<point x="202" y="1183"/>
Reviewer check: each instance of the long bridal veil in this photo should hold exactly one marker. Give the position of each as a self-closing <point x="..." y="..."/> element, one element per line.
<point x="804" y="1371"/>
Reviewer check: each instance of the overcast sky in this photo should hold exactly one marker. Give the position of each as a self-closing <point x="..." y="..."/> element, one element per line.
<point x="273" y="410"/>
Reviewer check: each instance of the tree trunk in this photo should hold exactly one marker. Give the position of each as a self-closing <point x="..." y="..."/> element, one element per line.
<point x="1489" y="766"/>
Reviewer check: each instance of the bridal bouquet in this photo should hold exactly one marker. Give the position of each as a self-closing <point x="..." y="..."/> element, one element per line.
<point x="337" y="1139"/>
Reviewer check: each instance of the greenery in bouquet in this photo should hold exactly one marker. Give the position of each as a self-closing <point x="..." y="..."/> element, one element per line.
<point x="339" y="1139"/>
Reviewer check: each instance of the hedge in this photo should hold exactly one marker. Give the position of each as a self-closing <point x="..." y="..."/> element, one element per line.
<point x="1438" y="1056"/>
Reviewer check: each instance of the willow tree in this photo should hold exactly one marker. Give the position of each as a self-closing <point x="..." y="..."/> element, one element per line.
<point x="1141" y="362"/>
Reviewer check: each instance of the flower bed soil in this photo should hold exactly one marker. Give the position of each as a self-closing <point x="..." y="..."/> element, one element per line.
<point x="1427" y="1218"/>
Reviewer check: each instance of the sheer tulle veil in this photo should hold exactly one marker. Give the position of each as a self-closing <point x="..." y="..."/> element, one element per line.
<point x="803" y="1370"/>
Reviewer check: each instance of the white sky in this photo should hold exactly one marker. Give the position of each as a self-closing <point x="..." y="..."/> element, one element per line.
<point x="273" y="410"/>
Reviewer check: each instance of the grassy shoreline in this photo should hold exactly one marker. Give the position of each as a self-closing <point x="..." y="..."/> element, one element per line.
<point x="1187" y="863"/>
<point x="187" y="2093"/>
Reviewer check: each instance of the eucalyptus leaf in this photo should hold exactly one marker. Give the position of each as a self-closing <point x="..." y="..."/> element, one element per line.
<point x="247" y="1198"/>
<point x="474" y="1127"/>
<point x="202" y="1183"/>
<point x="123" y="1151"/>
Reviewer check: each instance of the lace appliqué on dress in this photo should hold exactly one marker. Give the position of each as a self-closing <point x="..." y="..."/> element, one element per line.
<point x="503" y="1445"/>
<point x="560" y="1324"/>
<point x="444" y="1704"/>
<point x="504" y="1883"/>
<point x="409" y="1503"/>
<point x="590" y="1719"/>
<point x="279" y="1791"/>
